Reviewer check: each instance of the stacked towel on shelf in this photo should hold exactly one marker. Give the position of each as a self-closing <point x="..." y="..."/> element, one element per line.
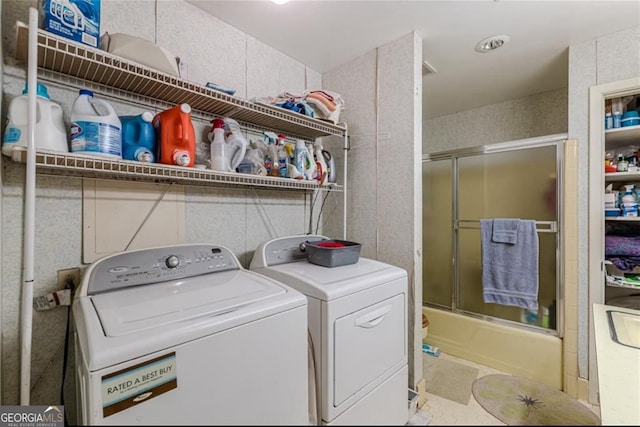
<point x="510" y="262"/>
<point x="327" y="105"/>
<point x="321" y="104"/>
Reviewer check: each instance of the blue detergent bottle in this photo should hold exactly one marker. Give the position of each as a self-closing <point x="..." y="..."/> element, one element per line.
<point x="138" y="138"/>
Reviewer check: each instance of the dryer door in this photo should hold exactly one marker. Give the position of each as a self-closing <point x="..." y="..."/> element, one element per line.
<point x="368" y="343"/>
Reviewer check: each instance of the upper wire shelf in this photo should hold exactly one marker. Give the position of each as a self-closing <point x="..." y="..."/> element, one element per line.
<point x="98" y="66"/>
<point x="84" y="166"/>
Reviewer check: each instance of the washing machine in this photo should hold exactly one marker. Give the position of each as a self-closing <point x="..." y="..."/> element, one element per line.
<point x="357" y="317"/>
<point x="185" y="335"/>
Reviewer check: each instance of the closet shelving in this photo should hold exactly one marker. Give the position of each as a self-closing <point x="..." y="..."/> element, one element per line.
<point x="616" y="138"/>
<point x="61" y="60"/>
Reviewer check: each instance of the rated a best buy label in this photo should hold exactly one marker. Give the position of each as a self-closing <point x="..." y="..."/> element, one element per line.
<point x="139" y="383"/>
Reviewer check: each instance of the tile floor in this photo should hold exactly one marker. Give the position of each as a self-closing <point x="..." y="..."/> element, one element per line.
<point x="445" y="412"/>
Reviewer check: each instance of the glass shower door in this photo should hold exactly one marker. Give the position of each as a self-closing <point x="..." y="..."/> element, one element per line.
<point x="511" y="184"/>
<point x="513" y="180"/>
<point x="437" y="238"/>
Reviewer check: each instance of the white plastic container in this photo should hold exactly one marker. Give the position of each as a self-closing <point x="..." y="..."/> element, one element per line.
<point x="236" y="143"/>
<point x="321" y="166"/>
<point x="50" y="131"/>
<point x="300" y="156"/>
<point x="95" y="127"/>
<point x="219" y="161"/>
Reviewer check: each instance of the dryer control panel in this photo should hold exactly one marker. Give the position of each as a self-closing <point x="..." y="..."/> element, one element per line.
<point x="147" y="266"/>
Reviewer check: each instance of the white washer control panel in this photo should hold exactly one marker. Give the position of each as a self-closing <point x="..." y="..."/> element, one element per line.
<point x="147" y="266"/>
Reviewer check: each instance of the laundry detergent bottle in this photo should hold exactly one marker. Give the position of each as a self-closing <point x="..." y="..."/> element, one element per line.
<point x="175" y="135"/>
<point x="50" y="130"/>
<point x="236" y="143"/>
<point x="95" y="127"/>
<point x="138" y="138"/>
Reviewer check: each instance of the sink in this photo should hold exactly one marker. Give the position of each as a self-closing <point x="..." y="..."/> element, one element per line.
<point x="624" y="328"/>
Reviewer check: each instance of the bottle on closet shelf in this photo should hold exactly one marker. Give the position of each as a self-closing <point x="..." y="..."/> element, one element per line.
<point x="622" y="165"/>
<point x="608" y="121"/>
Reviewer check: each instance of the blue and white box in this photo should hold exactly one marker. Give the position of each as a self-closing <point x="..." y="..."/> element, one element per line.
<point x="77" y="20"/>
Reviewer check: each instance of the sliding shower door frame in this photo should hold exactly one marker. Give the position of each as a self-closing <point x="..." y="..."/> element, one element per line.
<point x="556" y="140"/>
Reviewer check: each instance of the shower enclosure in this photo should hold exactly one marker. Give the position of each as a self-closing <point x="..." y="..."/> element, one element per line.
<point x="518" y="179"/>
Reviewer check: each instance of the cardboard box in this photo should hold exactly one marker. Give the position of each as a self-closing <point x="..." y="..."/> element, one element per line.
<point x="77" y="20"/>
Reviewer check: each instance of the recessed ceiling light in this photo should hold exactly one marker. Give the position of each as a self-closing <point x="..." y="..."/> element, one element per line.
<point x="280" y="1"/>
<point x="491" y="43"/>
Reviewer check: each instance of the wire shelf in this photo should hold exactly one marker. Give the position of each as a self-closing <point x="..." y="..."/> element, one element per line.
<point x="77" y="165"/>
<point x="98" y="66"/>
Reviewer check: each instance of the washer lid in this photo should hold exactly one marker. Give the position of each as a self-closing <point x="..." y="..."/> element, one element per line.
<point x="328" y="283"/>
<point x="138" y="308"/>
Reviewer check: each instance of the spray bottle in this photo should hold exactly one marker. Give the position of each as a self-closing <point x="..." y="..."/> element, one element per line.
<point x="310" y="171"/>
<point x="219" y="160"/>
<point x="321" y="165"/>
<point x="272" y="163"/>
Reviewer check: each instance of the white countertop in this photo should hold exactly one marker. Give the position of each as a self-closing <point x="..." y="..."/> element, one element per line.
<point x="618" y="372"/>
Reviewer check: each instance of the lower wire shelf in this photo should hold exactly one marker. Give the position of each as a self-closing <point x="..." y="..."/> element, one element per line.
<point x="84" y="166"/>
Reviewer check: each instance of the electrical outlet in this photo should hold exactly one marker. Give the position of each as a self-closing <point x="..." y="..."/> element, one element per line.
<point x="63" y="275"/>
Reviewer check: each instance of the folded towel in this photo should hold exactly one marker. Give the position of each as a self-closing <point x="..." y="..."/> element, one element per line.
<point x="510" y="271"/>
<point x="505" y="230"/>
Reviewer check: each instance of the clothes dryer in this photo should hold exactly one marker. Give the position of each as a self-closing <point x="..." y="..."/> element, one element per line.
<point x="358" y="326"/>
<point x="185" y="335"/>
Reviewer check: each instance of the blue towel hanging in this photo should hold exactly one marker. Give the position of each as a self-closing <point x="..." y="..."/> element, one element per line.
<point x="510" y="270"/>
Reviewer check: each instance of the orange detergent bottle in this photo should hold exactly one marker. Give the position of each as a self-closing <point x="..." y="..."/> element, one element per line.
<point x="176" y="136"/>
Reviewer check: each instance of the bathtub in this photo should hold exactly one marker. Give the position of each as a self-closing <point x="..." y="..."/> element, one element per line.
<point x="516" y="351"/>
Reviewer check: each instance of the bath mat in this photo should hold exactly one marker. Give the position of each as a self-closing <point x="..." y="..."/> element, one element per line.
<point x="520" y="401"/>
<point x="448" y="379"/>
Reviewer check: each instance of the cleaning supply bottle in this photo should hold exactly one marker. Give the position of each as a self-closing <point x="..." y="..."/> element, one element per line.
<point x="95" y="127"/>
<point x="138" y="138"/>
<point x="272" y="163"/>
<point x="300" y="157"/>
<point x="331" y="166"/>
<point x="321" y="165"/>
<point x="50" y="131"/>
<point x="310" y="172"/>
<point x="283" y="157"/>
<point x="219" y="160"/>
<point x="176" y="138"/>
<point x="236" y="143"/>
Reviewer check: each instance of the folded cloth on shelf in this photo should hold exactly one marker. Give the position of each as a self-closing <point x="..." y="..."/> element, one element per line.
<point x="327" y="105"/>
<point x="625" y="263"/>
<point x="505" y="230"/>
<point x="510" y="271"/>
<point x="322" y="104"/>
<point x="621" y="245"/>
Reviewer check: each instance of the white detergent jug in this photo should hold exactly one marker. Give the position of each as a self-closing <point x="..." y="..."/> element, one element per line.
<point x="236" y="143"/>
<point x="93" y="131"/>
<point x="50" y="131"/>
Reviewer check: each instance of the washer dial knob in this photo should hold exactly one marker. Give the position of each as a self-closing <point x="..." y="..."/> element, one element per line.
<point x="172" y="261"/>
